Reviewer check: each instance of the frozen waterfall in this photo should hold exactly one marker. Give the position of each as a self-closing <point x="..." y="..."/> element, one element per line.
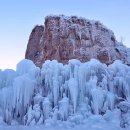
<point x="31" y="95"/>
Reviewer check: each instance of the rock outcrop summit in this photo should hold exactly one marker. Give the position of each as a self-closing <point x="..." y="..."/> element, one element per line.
<point x="63" y="38"/>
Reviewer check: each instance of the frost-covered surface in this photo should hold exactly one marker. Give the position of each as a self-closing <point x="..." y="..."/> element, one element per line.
<point x="109" y="121"/>
<point x="80" y="95"/>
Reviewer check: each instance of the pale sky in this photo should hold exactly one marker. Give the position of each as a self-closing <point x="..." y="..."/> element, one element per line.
<point x="18" y="17"/>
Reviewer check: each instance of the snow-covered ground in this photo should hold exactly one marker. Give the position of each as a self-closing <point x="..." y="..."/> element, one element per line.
<point x="76" y="96"/>
<point x="109" y="121"/>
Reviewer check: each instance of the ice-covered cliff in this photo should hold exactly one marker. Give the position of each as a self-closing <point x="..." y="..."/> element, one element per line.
<point x="72" y="92"/>
<point x="79" y="76"/>
<point x="64" y="38"/>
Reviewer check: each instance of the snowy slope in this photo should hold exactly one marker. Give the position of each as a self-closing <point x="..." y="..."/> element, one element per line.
<point x="80" y="95"/>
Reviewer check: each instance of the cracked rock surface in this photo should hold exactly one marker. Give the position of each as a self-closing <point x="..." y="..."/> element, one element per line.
<point x="64" y="38"/>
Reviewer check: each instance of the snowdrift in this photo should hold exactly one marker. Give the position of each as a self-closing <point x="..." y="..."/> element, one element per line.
<point x="71" y="92"/>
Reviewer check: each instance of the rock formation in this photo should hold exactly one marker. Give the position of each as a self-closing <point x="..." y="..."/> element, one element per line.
<point x="63" y="38"/>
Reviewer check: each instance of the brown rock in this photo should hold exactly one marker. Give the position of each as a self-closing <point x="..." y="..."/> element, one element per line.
<point x="65" y="38"/>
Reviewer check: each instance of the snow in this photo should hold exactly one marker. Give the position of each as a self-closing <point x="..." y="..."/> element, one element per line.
<point x="110" y="121"/>
<point x="72" y="96"/>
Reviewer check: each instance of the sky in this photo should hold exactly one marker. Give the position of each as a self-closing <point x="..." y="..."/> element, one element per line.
<point x="18" y="18"/>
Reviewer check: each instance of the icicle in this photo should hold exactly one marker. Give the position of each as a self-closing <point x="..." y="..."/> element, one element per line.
<point x="37" y="112"/>
<point x="46" y="105"/>
<point x="55" y="91"/>
<point x="64" y="108"/>
<point x="29" y="116"/>
<point x="6" y="105"/>
<point x="111" y="100"/>
<point x="73" y="88"/>
<point x="23" y="89"/>
<point x="97" y="100"/>
<point x="104" y="82"/>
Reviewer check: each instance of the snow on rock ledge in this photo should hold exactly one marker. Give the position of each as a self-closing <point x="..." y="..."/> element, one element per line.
<point x="63" y="38"/>
<point x="67" y="92"/>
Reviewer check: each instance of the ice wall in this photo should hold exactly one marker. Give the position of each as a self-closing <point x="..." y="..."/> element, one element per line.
<point x="31" y="95"/>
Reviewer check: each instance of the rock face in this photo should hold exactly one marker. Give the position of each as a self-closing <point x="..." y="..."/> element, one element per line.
<point x="63" y="38"/>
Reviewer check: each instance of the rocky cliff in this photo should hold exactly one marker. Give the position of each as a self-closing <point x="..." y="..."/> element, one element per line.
<point x="63" y="38"/>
